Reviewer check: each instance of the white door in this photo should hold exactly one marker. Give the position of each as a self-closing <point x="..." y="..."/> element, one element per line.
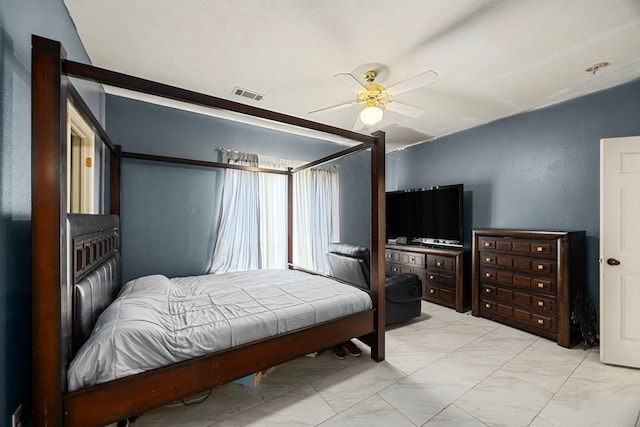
<point x="620" y="251"/>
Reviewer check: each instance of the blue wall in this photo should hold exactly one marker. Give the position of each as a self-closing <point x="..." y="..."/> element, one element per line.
<point x="19" y="19"/>
<point x="355" y="199"/>
<point x="170" y="212"/>
<point x="537" y="170"/>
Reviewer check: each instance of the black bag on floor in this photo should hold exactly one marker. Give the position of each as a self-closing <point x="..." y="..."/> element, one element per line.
<point x="584" y="314"/>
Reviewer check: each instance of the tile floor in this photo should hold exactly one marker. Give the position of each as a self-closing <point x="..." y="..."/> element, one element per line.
<point x="442" y="369"/>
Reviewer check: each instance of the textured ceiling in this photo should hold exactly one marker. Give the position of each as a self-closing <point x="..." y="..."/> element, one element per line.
<point x="495" y="58"/>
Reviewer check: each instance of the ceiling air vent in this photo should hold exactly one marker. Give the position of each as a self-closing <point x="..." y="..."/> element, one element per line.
<point x="247" y="94"/>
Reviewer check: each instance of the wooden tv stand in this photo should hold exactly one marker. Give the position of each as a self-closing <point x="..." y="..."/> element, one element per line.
<point x="441" y="271"/>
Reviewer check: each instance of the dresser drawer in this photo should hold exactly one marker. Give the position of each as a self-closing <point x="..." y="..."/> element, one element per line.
<point x="497" y="308"/>
<point x="519" y="298"/>
<point x="539" y="248"/>
<point x="412" y="259"/>
<point x="540" y="321"/>
<point x="542" y="248"/>
<point x="543" y="267"/>
<point x="520" y="315"/>
<point x="492" y="243"/>
<point x="533" y="247"/>
<point x="544" y="304"/>
<point x="440" y="278"/>
<point x="544" y="285"/>
<point x="391" y="255"/>
<point x="394" y="269"/>
<point x="497" y="260"/>
<point x="544" y="322"/>
<point x="528" y="264"/>
<point x="486" y="243"/>
<point x="489" y="291"/>
<point x="438" y="292"/>
<point x="441" y="262"/>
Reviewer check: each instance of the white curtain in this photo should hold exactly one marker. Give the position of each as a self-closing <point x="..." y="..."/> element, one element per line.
<point x="236" y="246"/>
<point x="317" y="215"/>
<point x="302" y="218"/>
<point x="253" y="225"/>
<point x="273" y="213"/>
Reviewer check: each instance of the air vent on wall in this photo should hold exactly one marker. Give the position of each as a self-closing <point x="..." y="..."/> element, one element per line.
<point x="247" y="93"/>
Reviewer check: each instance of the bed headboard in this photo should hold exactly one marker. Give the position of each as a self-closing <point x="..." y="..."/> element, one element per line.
<point x="93" y="273"/>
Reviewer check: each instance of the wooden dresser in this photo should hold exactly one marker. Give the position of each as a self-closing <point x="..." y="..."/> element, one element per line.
<point x="529" y="279"/>
<point x="441" y="271"/>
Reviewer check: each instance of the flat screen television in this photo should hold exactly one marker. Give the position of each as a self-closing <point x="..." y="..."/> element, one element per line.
<point x="430" y="216"/>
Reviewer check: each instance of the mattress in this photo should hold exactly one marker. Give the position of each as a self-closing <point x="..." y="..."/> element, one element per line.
<point x="157" y="321"/>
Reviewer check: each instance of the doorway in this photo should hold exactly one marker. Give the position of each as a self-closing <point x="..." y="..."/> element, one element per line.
<point x="80" y="163"/>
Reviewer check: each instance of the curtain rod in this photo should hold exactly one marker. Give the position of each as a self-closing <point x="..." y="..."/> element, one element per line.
<point x="350" y="150"/>
<point x="231" y="151"/>
<point x="179" y="160"/>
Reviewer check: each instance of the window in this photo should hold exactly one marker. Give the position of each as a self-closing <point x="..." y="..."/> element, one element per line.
<point x="253" y="226"/>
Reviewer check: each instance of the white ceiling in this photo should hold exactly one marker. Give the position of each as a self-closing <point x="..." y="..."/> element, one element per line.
<point x="495" y="58"/>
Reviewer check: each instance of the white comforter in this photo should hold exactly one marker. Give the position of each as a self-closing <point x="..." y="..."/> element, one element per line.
<point x="156" y="321"/>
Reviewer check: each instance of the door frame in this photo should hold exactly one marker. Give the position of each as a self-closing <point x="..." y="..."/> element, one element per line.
<point x="78" y="126"/>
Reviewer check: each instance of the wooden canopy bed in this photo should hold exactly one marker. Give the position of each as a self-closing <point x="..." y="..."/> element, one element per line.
<point x="70" y="251"/>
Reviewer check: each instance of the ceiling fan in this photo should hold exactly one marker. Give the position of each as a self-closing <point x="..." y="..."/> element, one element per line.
<point x="376" y="98"/>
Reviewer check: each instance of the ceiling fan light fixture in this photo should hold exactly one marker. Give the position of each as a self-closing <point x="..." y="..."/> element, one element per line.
<point x="371" y="114"/>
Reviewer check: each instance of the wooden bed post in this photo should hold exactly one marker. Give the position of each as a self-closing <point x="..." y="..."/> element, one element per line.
<point x="115" y="161"/>
<point x="48" y="163"/>
<point x="290" y="217"/>
<point x="377" y="243"/>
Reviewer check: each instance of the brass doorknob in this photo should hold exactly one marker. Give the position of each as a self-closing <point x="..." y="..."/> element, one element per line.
<point x="613" y="261"/>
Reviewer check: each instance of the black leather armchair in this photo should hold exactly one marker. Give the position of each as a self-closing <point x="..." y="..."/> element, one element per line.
<point x="403" y="292"/>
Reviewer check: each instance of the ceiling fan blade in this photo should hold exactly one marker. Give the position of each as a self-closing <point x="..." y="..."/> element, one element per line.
<point x="406" y="109"/>
<point x="350" y="81"/>
<point x="334" y="107"/>
<point x="414" y="82"/>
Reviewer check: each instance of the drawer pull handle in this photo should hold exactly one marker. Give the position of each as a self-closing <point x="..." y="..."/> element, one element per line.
<point x="487" y="305"/>
<point x="540" y="322"/>
<point x="541" y="285"/>
<point x="488" y="259"/>
<point x="539" y="249"/>
<point x="487" y="244"/>
<point x="395" y="269"/>
<point x="540" y="304"/>
<point x="439" y="264"/>
<point x="412" y="259"/>
<point x="431" y="291"/>
<point x="488" y="290"/>
<point x="487" y="274"/>
<point x="540" y="266"/>
<point x="432" y="277"/>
